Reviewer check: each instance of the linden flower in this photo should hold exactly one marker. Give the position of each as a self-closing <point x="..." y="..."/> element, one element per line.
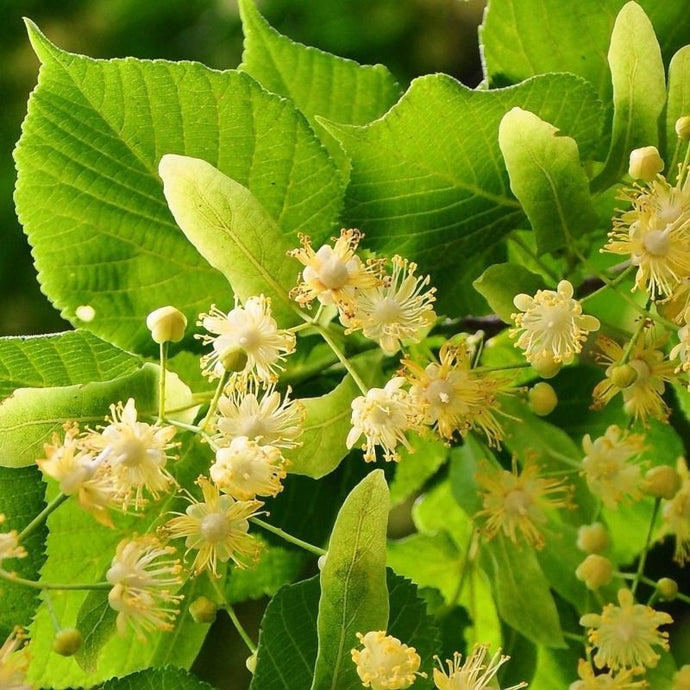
<point x="252" y="329"/>
<point x="142" y="575"/>
<point x="642" y="398"/>
<point x="676" y="515"/>
<point x="261" y="418"/>
<point x="217" y="529"/>
<point x="654" y="232"/>
<point x="245" y="469"/>
<point x="383" y="416"/>
<point x="518" y="502"/>
<point x="681" y="679"/>
<point x="476" y="673"/>
<point x="624" y="636"/>
<point x="136" y="452"/>
<point x="385" y="663"/>
<point x="333" y="274"/>
<point x="681" y="351"/>
<point x="609" y="465"/>
<point x="606" y="681"/>
<point x="400" y="309"/>
<point x="552" y="323"/>
<point x="14" y="662"/>
<point x="454" y="397"/>
<point x="80" y="474"/>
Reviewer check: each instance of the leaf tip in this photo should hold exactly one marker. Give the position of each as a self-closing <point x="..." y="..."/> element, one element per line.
<point x="43" y="48"/>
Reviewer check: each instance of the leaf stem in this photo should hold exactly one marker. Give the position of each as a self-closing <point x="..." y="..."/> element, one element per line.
<point x="612" y="282"/>
<point x="33" y="584"/>
<point x="214" y="401"/>
<point x="341" y="356"/>
<point x="288" y="537"/>
<point x="645" y="551"/>
<point x="233" y="617"/>
<point x="161" y="381"/>
<point x="42" y="516"/>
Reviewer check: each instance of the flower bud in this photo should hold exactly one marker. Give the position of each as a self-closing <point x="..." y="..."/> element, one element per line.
<point x="592" y="538"/>
<point x="233" y="359"/>
<point x="645" y="163"/>
<point x="595" y="571"/>
<point x="321" y="562"/>
<point x="545" y="365"/>
<point x="67" y="641"/>
<point x="683" y="127"/>
<point x="623" y="376"/>
<point x="166" y="324"/>
<point x="250" y="663"/>
<point x="661" y="482"/>
<point x="203" y="610"/>
<point x="667" y="588"/>
<point x="542" y="399"/>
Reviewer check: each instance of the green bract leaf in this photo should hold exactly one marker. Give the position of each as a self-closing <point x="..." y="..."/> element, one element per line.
<point x="548" y="179"/>
<point x="501" y="282"/>
<point x="678" y="105"/>
<point x="639" y="90"/>
<point x="157" y="678"/>
<point x="89" y="195"/>
<point x="354" y="596"/>
<point x="29" y="416"/>
<point x="428" y="180"/>
<point x="231" y="230"/>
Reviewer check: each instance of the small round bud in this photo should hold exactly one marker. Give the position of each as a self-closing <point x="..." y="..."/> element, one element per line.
<point x="592" y="538"/>
<point x="166" y="324"/>
<point x="662" y="482"/>
<point x="545" y="365"/>
<point x="683" y="127"/>
<point x="250" y="663"/>
<point x="645" y="163"/>
<point x="203" y="610"/>
<point x="321" y="562"/>
<point x="67" y="641"/>
<point x="667" y="588"/>
<point x="542" y="399"/>
<point x="623" y="376"/>
<point x="233" y="359"/>
<point x="595" y="571"/>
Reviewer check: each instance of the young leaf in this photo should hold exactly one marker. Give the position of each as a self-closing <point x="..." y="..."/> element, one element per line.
<point x="231" y="230"/>
<point x="428" y="180"/>
<point x="639" y="90"/>
<point x="501" y="282"/>
<point x="89" y="195"/>
<point x="547" y="178"/>
<point x="168" y="678"/>
<point x="678" y="105"/>
<point x="354" y="596"/>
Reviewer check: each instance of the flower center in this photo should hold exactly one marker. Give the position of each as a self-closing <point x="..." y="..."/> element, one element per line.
<point x="518" y="502"/>
<point x="250" y="339"/>
<point x="557" y="317"/>
<point x="439" y="392"/>
<point x="643" y="371"/>
<point x="253" y="426"/>
<point x="333" y="273"/>
<point x="214" y="527"/>
<point x="656" y="243"/>
<point x="386" y="311"/>
<point x="132" y="452"/>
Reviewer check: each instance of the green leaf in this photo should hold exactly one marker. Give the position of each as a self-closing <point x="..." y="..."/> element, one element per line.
<point x="501" y="282"/>
<point x="30" y="416"/>
<point x="428" y="180"/>
<point x="319" y="84"/>
<point x="522" y="592"/>
<point x="639" y="90"/>
<point x="61" y="359"/>
<point x="415" y="468"/>
<point x="156" y="678"/>
<point x="89" y="195"/>
<point x="354" y="596"/>
<point x="678" y="105"/>
<point x="231" y="230"/>
<point x="21" y="500"/>
<point x="547" y="177"/>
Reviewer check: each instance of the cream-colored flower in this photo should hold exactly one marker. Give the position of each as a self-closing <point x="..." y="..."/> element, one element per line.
<point x="551" y="323"/>
<point x="455" y="398"/>
<point x="595" y="571"/>
<point x="476" y="673"/>
<point x="14" y="662"/>
<point x="136" y="452"/>
<point x="676" y="515"/>
<point x="625" y="635"/>
<point x="385" y="663"/>
<point x="655" y="233"/>
<point x="681" y="679"/>
<point x="9" y="544"/>
<point x="400" y="309"/>
<point x="252" y="329"/>
<point x="333" y="274"/>
<point x="610" y="466"/>
<point x="642" y="398"/>
<point x="217" y="529"/>
<point x="245" y="469"/>
<point x="681" y="351"/>
<point x="143" y="577"/>
<point x="623" y="680"/>
<point x="383" y="416"/>
<point x="516" y="503"/>
<point x="261" y="417"/>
